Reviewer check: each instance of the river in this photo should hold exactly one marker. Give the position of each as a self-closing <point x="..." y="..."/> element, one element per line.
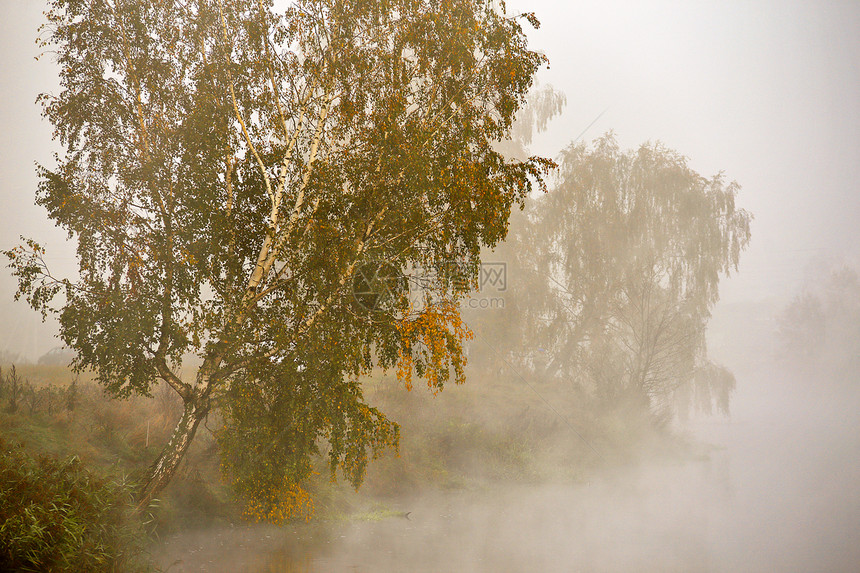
<point x="778" y="491"/>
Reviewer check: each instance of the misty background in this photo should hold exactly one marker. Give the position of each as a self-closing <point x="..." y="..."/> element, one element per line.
<point x="766" y="92"/>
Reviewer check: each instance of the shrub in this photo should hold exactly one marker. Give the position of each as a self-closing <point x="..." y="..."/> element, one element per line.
<point x="58" y="516"/>
<point x="13" y="387"/>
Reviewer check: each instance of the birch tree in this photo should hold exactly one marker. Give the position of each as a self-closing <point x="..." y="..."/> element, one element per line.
<point x="229" y="166"/>
<point x="621" y="264"/>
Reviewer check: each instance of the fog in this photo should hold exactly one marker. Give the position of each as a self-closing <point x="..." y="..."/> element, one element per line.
<point x="773" y="488"/>
<point x="765" y="91"/>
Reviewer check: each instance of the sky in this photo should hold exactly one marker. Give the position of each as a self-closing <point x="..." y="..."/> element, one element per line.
<point x="767" y="92"/>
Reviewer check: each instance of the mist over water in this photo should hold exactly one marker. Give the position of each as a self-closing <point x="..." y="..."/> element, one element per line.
<point x="792" y="473"/>
<point x="773" y="488"/>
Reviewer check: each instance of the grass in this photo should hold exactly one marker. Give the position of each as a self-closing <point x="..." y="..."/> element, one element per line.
<point x="57" y="515"/>
<point x="119" y="437"/>
<point x="492" y="429"/>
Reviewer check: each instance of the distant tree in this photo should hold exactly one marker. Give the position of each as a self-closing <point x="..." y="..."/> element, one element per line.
<point x="625" y="256"/>
<point x="710" y="388"/>
<point x="58" y="356"/>
<point x="70" y="398"/>
<point x="802" y="329"/>
<point x="502" y="327"/>
<point x="820" y="328"/>
<point x="7" y="357"/>
<point x="841" y="299"/>
<point x="230" y="168"/>
<point x="32" y="399"/>
<point x="544" y="103"/>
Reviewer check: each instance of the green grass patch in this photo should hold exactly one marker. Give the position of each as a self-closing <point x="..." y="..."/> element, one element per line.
<point x="57" y="515"/>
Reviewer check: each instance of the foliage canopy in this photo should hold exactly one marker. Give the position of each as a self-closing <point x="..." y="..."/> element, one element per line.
<point x="229" y="166"/>
<point x="619" y="267"/>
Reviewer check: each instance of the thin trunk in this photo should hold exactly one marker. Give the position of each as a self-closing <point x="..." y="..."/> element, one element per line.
<point x="163" y="469"/>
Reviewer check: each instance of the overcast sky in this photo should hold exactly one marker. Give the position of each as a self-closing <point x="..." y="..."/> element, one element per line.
<point x="767" y="92"/>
